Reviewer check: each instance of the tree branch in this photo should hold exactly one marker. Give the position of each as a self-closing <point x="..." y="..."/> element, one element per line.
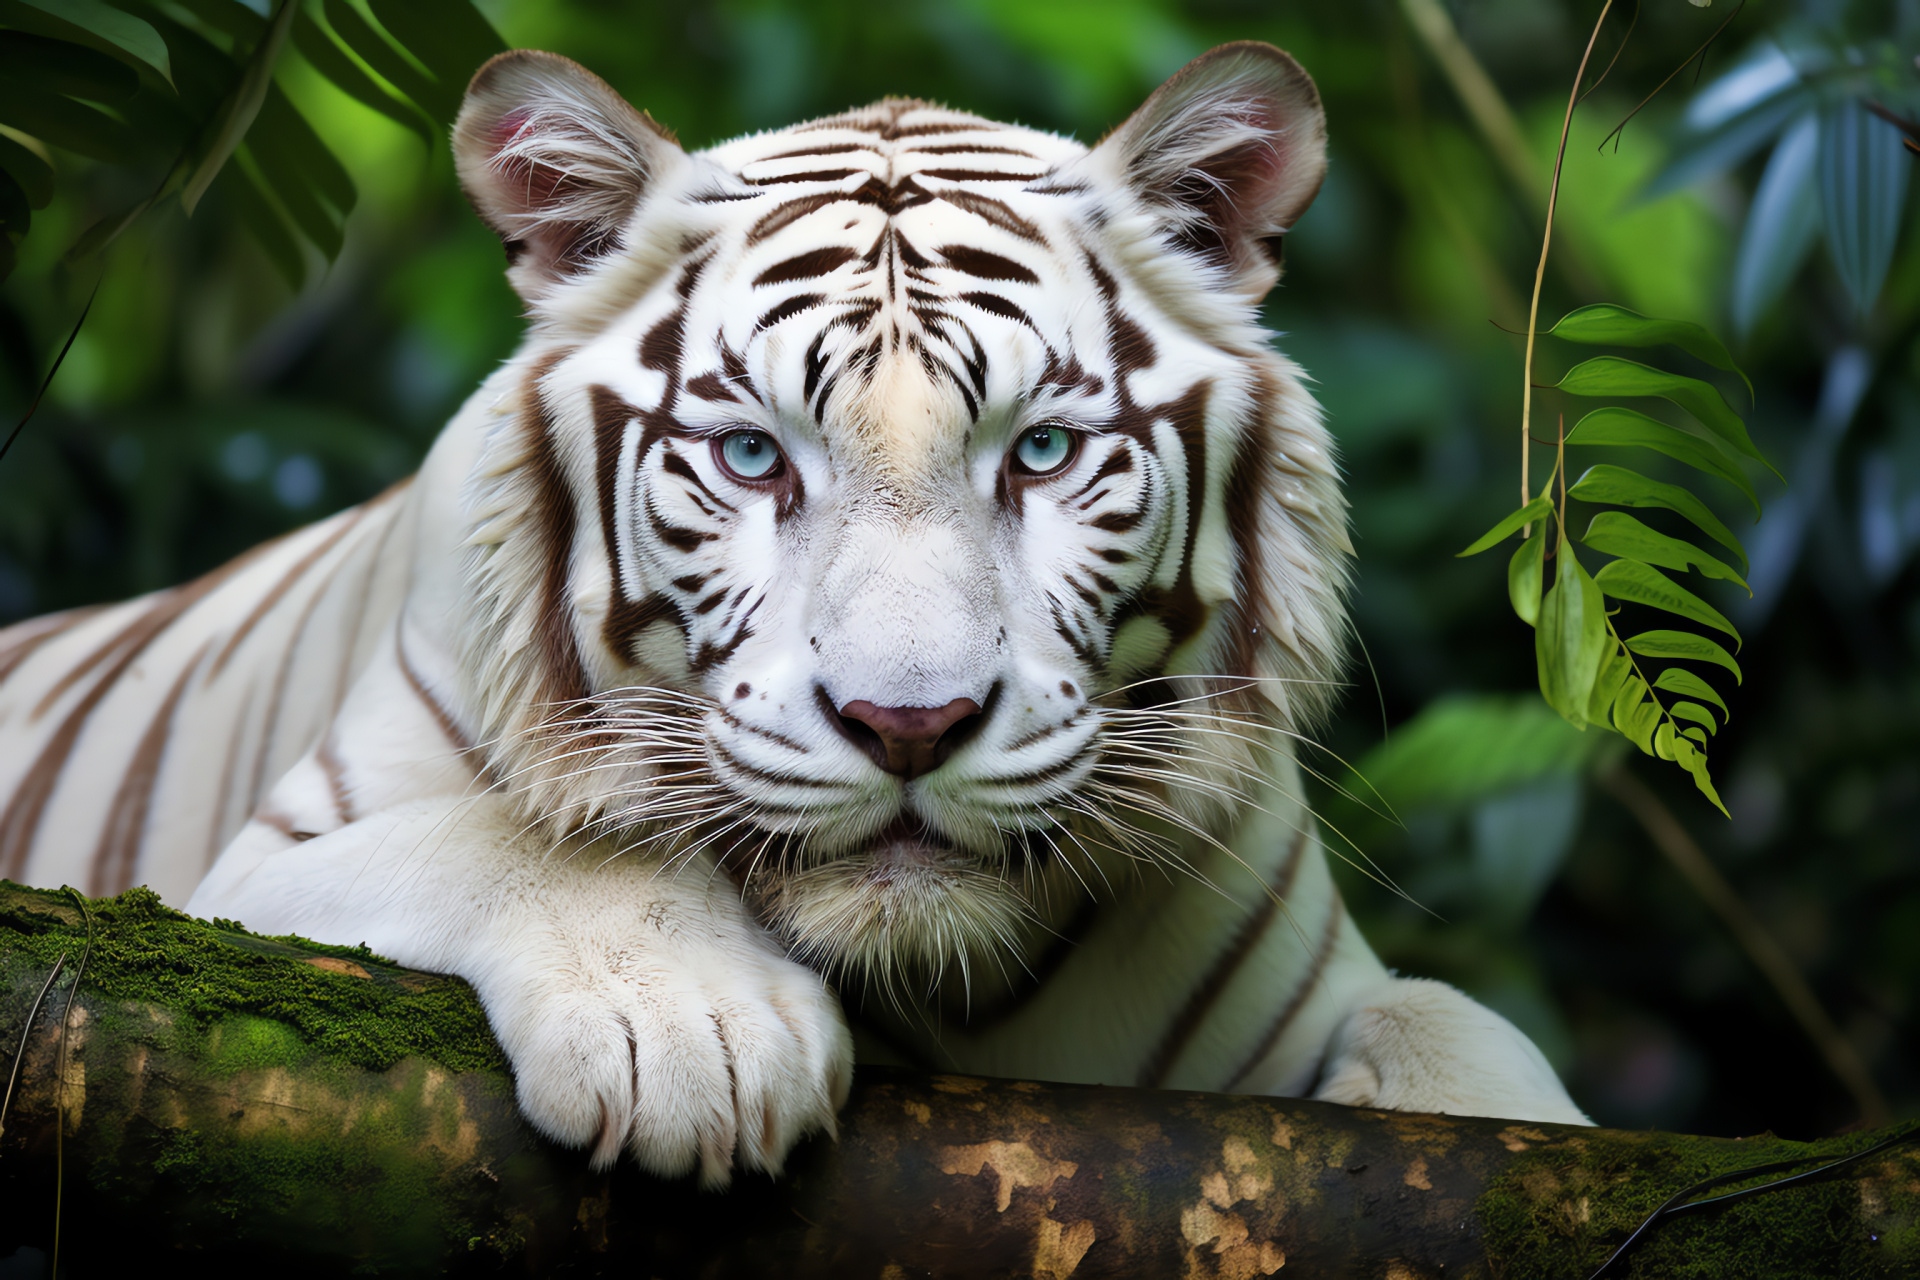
<point x="240" y="1101"/>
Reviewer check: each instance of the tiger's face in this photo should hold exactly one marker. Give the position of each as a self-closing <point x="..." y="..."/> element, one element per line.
<point x="936" y="500"/>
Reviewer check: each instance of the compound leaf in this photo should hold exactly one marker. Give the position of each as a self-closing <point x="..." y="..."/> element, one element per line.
<point x="1608" y="325"/>
<point x="1631" y="428"/>
<point x="1613" y="376"/>
<point x="1682" y="644"/>
<point x="1533" y="511"/>
<point x="1621" y="487"/>
<point x="1641" y="584"/>
<point x="1616" y="533"/>
<point x="1680" y="680"/>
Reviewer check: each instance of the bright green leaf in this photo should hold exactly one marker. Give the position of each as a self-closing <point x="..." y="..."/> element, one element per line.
<point x="1697" y="767"/>
<point x="326" y="56"/>
<point x="1615" y="669"/>
<point x="1694" y="711"/>
<point x="1570" y="638"/>
<point x="449" y="36"/>
<point x="1607" y="325"/>
<point x="1621" y="487"/>
<point x="1524" y="576"/>
<point x="1634" y="714"/>
<point x="1616" y="533"/>
<point x="1680" y="680"/>
<point x="1533" y="511"/>
<point x="1613" y="376"/>
<point x="391" y="65"/>
<point x="1629" y="427"/>
<point x="1683" y="644"/>
<point x="1639" y="584"/>
<point x="1663" y="740"/>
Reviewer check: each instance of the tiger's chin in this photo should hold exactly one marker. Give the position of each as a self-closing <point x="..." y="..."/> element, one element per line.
<point x="908" y="903"/>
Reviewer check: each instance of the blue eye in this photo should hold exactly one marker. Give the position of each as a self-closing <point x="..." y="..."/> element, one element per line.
<point x="1043" y="450"/>
<point x="749" y="455"/>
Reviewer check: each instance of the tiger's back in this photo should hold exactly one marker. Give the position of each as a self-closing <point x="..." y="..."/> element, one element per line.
<point x="136" y="739"/>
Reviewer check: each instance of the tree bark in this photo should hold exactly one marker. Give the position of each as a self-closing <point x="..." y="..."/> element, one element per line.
<point x="239" y="1101"/>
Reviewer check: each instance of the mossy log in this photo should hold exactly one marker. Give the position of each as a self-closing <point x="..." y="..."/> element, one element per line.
<point x="271" y="1104"/>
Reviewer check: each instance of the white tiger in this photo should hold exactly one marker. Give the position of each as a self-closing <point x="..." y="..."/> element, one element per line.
<point x="895" y="556"/>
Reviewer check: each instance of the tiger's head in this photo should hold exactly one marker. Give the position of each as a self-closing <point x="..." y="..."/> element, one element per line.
<point x="905" y="511"/>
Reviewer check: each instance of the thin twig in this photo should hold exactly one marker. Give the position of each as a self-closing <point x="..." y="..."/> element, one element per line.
<point x="57" y="362"/>
<point x="19" y="1053"/>
<point x="1699" y="53"/>
<point x="1546" y="243"/>
<point x="1767" y="955"/>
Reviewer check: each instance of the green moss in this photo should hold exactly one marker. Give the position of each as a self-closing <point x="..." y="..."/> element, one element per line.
<point x="206" y="974"/>
<point x="1560" y="1210"/>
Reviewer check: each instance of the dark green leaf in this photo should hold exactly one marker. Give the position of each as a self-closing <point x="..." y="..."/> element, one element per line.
<point x="282" y="132"/>
<point x="60" y="66"/>
<point x="1606" y="325"/>
<point x="290" y="190"/>
<point x="1863" y="187"/>
<point x="1524" y="576"/>
<point x="319" y="49"/>
<point x="1613" y="376"/>
<point x="62" y="122"/>
<point x="257" y="213"/>
<point x="1570" y="638"/>
<point x="1510" y="524"/>
<point x="241" y="106"/>
<point x="33" y="174"/>
<point x="232" y="18"/>
<point x="1683" y="644"/>
<point x="1630" y="427"/>
<point x="15" y="214"/>
<point x="1695" y="712"/>
<point x="1782" y="223"/>
<point x="391" y="65"/>
<point x="1679" y="680"/>
<point x="1621" y="487"/>
<point x="1638" y="584"/>
<point x="1460" y="749"/>
<point x="98" y="26"/>
<point x="1616" y="533"/>
<point x="449" y="36"/>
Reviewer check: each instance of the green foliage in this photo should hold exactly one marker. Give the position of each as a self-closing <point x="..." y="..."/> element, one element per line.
<point x="186" y="94"/>
<point x="1588" y="673"/>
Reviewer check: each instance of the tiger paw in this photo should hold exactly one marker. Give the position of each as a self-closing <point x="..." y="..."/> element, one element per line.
<point x="1412" y="1044"/>
<point x="693" y="1045"/>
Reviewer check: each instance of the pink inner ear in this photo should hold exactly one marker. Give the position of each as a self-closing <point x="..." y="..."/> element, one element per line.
<point x="531" y="184"/>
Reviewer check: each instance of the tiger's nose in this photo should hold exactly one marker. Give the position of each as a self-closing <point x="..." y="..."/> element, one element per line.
<point x="909" y="741"/>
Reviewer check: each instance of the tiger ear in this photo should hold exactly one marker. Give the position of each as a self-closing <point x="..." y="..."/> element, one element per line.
<point x="555" y="162"/>
<point x="1231" y="151"/>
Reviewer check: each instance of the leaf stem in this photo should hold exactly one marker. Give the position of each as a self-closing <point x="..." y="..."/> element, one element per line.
<point x="1546" y="243"/>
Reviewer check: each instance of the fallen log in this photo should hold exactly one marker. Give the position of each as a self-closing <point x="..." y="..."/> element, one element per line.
<point x="274" y="1104"/>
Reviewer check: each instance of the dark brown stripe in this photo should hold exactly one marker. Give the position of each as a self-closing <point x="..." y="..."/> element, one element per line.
<point x="563" y="674"/>
<point x="995" y="212"/>
<point x="1335" y="915"/>
<point x="986" y="266"/>
<point x="21" y="820"/>
<point x="791" y="307"/>
<point x="279" y="589"/>
<point x="977" y="175"/>
<point x="812" y="175"/>
<point x="449" y="728"/>
<point x="806" y="266"/>
<point x="972" y="148"/>
<point x="125" y="828"/>
<point x="1207" y="993"/>
<point x="25" y="637"/>
<point x="329" y="763"/>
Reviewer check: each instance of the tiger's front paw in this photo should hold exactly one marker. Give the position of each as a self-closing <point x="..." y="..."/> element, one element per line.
<point x="694" y="1046"/>
<point x="1412" y="1044"/>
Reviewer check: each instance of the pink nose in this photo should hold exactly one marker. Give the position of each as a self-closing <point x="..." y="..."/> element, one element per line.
<point x="909" y="741"/>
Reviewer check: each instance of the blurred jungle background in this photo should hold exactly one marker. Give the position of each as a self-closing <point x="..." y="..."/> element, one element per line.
<point x="293" y="346"/>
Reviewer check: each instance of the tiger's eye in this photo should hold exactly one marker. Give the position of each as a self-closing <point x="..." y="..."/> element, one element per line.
<point x="1043" y="450"/>
<point x="750" y="455"/>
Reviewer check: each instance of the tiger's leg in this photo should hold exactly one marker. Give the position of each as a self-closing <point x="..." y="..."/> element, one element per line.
<point x="639" y="1005"/>
<point x="1413" y="1044"/>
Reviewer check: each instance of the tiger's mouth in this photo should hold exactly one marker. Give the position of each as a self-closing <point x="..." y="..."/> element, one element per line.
<point x="908" y="898"/>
